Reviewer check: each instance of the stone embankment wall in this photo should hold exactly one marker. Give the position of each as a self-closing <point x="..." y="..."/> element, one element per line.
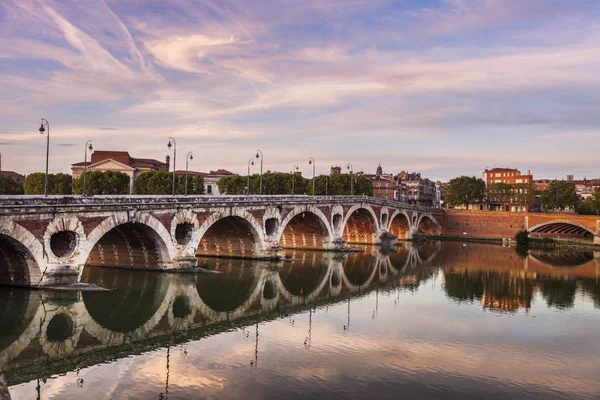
<point x="487" y="224"/>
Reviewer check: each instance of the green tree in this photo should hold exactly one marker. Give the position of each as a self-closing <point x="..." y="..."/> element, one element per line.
<point x="499" y="192"/>
<point x="591" y="205"/>
<point x="236" y="185"/>
<point x="102" y="182"/>
<point x="62" y="184"/>
<point x="154" y="182"/>
<point x="560" y="195"/>
<point x="8" y="186"/>
<point x="523" y="194"/>
<point x="35" y="183"/>
<point x="195" y="184"/>
<point x="465" y="190"/>
<point x="363" y="186"/>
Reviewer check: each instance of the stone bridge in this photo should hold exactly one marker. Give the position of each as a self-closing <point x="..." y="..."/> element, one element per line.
<point x="48" y="241"/>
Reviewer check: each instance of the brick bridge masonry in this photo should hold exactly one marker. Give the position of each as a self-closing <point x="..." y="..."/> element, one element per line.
<point x="496" y="225"/>
<point x="48" y="241"/>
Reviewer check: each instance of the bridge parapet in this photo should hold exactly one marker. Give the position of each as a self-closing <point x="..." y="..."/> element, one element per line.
<point x="57" y="236"/>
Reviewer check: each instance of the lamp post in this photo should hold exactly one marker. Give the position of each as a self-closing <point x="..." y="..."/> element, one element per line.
<point x="351" y="169"/>
<point x="173" y="143"/>
<point x="259" y="154"/>
<point x="250" y="162"/>
<point x="88" y="146"/>
<point x="42" y="130"/>
<point x="294" y="169"/>
<point x="187" y="159"/>
<point x="314" y="165"/>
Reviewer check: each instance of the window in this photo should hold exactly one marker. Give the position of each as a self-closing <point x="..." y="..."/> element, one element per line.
<point x="209" y="189"/>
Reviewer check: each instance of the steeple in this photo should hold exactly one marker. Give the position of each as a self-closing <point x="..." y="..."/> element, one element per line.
<point x="379" y="171"/>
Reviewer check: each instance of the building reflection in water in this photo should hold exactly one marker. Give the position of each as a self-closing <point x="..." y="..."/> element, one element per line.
<point x="49" y="333"/>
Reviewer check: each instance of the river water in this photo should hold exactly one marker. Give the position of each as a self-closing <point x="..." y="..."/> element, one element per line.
<point x="433" y="321"/>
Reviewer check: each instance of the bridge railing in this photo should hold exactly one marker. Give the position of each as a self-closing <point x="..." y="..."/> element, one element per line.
<point x="37" y="204"/>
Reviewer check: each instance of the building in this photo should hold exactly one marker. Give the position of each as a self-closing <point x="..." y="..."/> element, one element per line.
<point x="518" y="199"/>
<point x="510" y="176"/>
<point x="384" y="186"/>
<point x="210" y="179"/>
<point x="415" y="190"/>
<point x="119" y="161"/>
<point x="16" y="177"/>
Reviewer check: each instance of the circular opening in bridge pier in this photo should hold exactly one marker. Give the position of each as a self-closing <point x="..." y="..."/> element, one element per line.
<point x="384" y="220"/>
<point x="182" y="307"/>
<point x="269" y="291"/>
<point x="60" y="328"/>
<point x="63" y="243"/>
<point x="271" y="226"/>
<point x="183" y="233"/>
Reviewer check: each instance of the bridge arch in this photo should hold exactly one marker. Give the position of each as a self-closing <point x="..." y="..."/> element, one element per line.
<point x="565" y="228"/>
<point x="236" y="235"/>
<point x="428" y="225"/>
<point x="399" y="225"/>
<point x="137" y="241"/>
<point x="360" y="225"/>
<point x="304" y="227"/>
<point x="21" y="255"/>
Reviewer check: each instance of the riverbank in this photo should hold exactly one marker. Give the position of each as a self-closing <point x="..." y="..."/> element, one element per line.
<point x="535" y="243"/>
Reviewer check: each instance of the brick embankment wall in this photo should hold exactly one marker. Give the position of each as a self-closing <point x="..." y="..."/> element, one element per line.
<point x="486" y="224"/>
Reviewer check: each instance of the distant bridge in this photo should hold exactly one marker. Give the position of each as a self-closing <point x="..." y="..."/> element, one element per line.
<point x="48" y="241"/>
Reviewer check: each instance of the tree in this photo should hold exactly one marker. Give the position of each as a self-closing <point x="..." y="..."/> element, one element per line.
<point x="9" y="186"/>
<point x="591" y="205"/>
<point x="235" y="184"/>
<point x="522" y="194"/>
<point x="154" y="182"/>
<point x="35" y="183"/>
<point x="499" y="192"/>
<point x="62" y="184"/>
<point x="363" y="186"/>
<point x="560" y="195"/>
<point x="195" y="184"/>
<point x="102" y="182"/>
<point x="465" y="190"/>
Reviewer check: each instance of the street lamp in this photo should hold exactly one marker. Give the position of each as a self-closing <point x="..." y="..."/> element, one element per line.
<point x="294" y="169"/>
<point x="259" y="154"/>
<point x="88" y="146"/>
<point x="42" y="130"/>
<point x="250" y="162"/>
<point x="173" y="143"/>
<point x="314" y="164"/>
<point x="187" y="159"/>
<point x="351" y="169"/>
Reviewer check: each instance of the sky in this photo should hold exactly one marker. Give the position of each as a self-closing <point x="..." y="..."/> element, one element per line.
<point x="443" y="87"/>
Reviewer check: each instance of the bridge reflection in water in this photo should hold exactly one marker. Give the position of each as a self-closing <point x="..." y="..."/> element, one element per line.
<point x="46" y="333"/>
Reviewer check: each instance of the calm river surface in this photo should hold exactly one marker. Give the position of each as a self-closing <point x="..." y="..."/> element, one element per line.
<point x="434" y="321"/>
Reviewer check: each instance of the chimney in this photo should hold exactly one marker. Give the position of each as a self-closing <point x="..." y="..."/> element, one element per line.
<point x="168" y="162"/>
<point x="528" y="172"/>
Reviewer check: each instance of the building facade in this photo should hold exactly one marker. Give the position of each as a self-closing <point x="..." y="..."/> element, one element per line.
<point x="210" y="179"/>
<point x="119" y="161"/>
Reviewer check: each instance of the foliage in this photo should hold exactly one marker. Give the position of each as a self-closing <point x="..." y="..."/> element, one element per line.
<point x="234" y="184"/>
<point x="522" y="194"/>
<point x="499" y="192"/>
<point x="464" y="286"/>
<point x="195" y="184"/>
<point x="58" y="184"/>
<point x="34" y="183"/>
<point x="522" y="238"/>
<point x="465" y="190"/>
<point x="8" y="186"/>
<point x="339" y="185"/>
<point x="560" y="195"/>
<point x="62" y="184"/>
<point x="102" y="182"/>
<point x="591" y="205"/>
